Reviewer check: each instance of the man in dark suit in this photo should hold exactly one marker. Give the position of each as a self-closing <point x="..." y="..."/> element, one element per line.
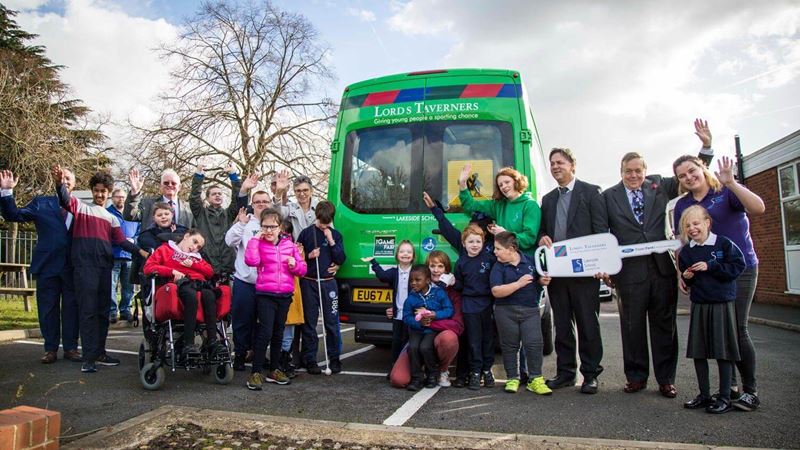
<point x="56" y="305"/>
<point x="646" y="285"/>
<point x="138" y="209"/>
<point x="574" y="209"/>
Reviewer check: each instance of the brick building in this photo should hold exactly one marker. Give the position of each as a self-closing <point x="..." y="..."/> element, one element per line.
<point x="774" y="174"/>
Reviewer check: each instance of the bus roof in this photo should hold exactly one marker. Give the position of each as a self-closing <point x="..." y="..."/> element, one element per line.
<point x="430" y="74"/>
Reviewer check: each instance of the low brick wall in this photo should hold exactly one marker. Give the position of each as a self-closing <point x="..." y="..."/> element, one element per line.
<point x="26" y="427"/>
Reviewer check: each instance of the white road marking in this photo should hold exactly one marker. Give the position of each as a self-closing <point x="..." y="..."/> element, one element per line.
<point x="609" y="315"/>
<point x="363" y="374"/>
<point x="410" y="407"/>
<point x="479" y="405"/>
<point x="109" y="350"/>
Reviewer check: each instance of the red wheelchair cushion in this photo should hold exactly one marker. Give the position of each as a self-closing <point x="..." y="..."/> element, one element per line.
<point x="169" y="307"/>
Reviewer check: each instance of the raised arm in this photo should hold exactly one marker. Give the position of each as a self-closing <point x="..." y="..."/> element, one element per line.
<point x="751" y="202"/>
<point x="8" y="207"/>
<point x="236" y="186"/>
<point x="469" y="204"/>
<point x="195" y="196"/>
<point x="132" y="211"/>
<point x="450" y="233"/>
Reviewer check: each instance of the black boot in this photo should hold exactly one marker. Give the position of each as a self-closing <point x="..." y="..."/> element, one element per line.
<point x="286" y="365"/>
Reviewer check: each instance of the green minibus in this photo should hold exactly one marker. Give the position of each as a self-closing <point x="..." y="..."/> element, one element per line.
<point x="399" y="135"/>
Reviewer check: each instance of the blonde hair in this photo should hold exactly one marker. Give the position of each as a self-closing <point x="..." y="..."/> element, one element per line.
<point x="520" y="181"/>
<point x="688" y="214"/>
<point x="712" y="181"/>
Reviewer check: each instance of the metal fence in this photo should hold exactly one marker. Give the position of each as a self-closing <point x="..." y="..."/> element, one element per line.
<point x="19" y="250"/>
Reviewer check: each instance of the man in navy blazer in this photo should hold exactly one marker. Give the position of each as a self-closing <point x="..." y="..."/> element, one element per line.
<point x="55" y="295"/>
<point x="574" y="209"/>
<point x="646" y="285"/>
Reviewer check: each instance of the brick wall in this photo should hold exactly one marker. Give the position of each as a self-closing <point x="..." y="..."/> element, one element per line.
<point x="767" y="233"/>
<point x="25" y="427"/>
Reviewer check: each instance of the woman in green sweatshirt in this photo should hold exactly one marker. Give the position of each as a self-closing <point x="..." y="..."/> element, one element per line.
<point x="512" y="208"/>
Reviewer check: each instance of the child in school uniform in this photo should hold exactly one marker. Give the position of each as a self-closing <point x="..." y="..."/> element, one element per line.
<point x="709" y="265"/>
<point x="426" y="303"/>
<point x="397" y="278"/>
<point x="472" y="269"/>
<point x="516" y="293"/>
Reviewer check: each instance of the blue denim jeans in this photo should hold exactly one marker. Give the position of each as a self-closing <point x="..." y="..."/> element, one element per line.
<point x="120" y="274"/>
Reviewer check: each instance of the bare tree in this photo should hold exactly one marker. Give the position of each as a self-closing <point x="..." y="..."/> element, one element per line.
<point x="246" y="90"/>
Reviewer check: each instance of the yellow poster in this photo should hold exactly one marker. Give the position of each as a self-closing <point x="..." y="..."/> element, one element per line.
<point x="480" y="182"/>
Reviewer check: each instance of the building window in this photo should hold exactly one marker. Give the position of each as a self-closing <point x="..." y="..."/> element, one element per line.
<point x="789" y="185"/>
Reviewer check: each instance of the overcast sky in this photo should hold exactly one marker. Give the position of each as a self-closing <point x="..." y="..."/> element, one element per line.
<point x="603" y="78"/>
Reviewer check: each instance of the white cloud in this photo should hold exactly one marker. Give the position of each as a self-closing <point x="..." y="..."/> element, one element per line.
<point x="364" y="15"/>
<point x="109" y="57"/>
<point x="603" y="79"/>
<point x="23" y="5"/>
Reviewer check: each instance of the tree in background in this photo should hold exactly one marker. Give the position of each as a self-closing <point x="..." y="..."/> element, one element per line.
<point x="40" y="124"/>
<point x="247" y="82"/>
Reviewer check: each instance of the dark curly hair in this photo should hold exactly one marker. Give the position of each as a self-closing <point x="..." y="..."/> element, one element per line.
<point x="103" y="178"/>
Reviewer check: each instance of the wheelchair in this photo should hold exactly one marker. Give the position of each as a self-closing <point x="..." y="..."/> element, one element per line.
<point x="162" y="324"/>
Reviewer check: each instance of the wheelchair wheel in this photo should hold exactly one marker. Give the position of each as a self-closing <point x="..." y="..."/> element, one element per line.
<point x="223" y="373"/>
<point x="144" y="349"/>
<point x="152" y="377"/>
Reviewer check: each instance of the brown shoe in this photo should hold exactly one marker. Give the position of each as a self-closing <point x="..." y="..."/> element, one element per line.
<point x="668" y="390"/>
<point x="73" y="355"/>
<point x="49" y="357"/>
<point x="634" y="386"/>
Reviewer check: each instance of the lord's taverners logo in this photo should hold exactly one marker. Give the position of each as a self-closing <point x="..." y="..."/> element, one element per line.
<point x="560" y="250"/>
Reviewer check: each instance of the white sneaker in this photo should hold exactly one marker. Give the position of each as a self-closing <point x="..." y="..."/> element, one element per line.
<point x="444" y="379"/>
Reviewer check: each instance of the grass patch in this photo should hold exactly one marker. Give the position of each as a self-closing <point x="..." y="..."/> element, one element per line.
<point x="13" y="315"/>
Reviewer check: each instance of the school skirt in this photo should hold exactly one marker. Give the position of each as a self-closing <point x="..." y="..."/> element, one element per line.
<point x="712" y="332"/>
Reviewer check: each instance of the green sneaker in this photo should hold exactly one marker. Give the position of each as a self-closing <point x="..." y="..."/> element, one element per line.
<point x="276" y="376"/>
<point x="512" y="385"/>
<point x="538" y="386"/>
<point x="255" y="382"/>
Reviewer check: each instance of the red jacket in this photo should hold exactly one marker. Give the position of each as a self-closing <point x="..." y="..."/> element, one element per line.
<point x="165" y="259"/>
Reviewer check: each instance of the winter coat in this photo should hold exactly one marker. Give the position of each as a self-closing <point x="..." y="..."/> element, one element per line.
<point x="271" y="261"/>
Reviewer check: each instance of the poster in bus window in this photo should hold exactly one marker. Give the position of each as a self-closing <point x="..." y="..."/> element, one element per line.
<point x="480" y="182"/>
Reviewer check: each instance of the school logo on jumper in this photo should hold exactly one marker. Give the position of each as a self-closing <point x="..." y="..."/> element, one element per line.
<point x="484" y="267"/>
<point x="428" y="244"/>
<point x="560" y="250"/>
<point x="577" y="265"/>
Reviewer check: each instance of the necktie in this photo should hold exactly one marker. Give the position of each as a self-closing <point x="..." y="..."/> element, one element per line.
<point x="637" y="204"/>
<point x="174" y="213"/>
<point x="560" y="233"/>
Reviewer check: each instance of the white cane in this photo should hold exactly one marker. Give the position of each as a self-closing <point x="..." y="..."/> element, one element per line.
<point x="322" y="311"/>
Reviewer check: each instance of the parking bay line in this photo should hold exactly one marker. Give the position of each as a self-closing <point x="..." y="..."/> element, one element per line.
<point x="109" y="350"/>
<point x="410" y="407"/>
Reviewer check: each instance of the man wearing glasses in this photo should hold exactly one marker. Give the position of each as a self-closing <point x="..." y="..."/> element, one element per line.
<point x="138" y="209"/>
<point x="120" y="274"/>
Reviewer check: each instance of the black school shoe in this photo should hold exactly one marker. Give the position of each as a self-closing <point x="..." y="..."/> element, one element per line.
<point x="721" y="406"/>
<point x="238" y="362"/>
<point x="747" y="402"/>
<point x="312" y="368"/>
<point x="335" y="366"/>
<point x="699" y="402"/>
<point x="474" y="383"/>
<point x="488" y="379"/>
<point x="432" y="381"/>
<point x="414" y="386"/>
<point x="459" y="383"/>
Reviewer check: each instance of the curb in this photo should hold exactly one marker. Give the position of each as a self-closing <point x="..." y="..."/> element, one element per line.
<point x="13" y="335"/>
<point x="141" y="429"/>
<point x="775" y="324"/>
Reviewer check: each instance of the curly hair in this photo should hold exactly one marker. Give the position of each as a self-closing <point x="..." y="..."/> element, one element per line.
<point x="103" y="178"/>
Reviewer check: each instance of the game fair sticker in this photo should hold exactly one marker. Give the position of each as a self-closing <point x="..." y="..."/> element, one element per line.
<point x="384" y="246"/>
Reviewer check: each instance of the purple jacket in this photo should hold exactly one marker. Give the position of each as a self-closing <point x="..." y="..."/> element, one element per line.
<point x="272" y="263"/>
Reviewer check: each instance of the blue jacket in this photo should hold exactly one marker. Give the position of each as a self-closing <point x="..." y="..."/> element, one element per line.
<point x="129" y="229"/>
<point x="435" y="300"/>
<point x="50" y="256"/>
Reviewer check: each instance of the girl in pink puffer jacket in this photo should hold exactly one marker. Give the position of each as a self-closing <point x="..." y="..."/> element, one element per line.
<point x="277" y="261"/>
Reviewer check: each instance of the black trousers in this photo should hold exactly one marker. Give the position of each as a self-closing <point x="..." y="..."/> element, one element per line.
<point x="187" y="292"/>
<point x="652" y="302"/>
<point x="421" y="350"/>
<point x="576" y="301"/>
<point x="272" y="311"/>
<point x="93" y="291"/>
<point x="479" y="328"/>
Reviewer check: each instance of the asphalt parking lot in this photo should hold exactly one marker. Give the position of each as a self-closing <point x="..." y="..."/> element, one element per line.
<point x="90" y="402"/>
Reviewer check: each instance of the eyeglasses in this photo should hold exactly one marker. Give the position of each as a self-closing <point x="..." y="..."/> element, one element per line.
<point x="269" y="227"/>
<point x="302" y="191"/>
<point x="169" y="183"/>
<point x="260" y="202"/>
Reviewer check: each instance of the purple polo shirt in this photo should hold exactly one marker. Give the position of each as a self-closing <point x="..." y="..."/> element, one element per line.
<point x="728" y="218"/>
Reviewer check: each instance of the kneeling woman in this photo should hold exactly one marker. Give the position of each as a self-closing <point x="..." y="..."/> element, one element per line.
<point x="181" y="263"/>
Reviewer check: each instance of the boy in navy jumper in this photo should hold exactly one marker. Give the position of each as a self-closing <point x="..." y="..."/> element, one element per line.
<point x="93" y="233"/>
<point x="326" y="247"/>
<point x="425" y="303"/>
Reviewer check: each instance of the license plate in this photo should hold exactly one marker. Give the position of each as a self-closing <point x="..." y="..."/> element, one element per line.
<point x="372" y="295"/>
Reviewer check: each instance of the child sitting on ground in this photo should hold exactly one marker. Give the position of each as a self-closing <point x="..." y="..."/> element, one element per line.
<point x="181" y="263"/>
<point x="424" y="296"/>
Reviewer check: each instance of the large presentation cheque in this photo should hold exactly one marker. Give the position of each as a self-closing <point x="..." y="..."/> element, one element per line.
<point x="588" y="255"/>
